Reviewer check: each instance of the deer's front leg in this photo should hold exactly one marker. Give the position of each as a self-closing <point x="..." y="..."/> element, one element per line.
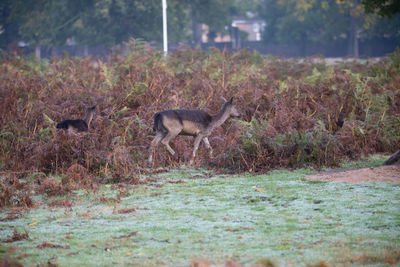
<point x="72" y="131"/>
<point x="195" y="147"/>
<point x="208" y="147"/>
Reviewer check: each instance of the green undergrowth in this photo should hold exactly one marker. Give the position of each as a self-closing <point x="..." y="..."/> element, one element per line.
<point x="374" y="160"/>
<point x="184" y="214"/>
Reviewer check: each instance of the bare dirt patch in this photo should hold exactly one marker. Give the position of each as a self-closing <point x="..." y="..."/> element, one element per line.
<point x="372" y="174"/>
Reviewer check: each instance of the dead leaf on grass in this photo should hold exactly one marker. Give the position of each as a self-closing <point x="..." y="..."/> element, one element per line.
<point x="127" y="210"/>
<point x="49" y="245"/>
<point x="265" y="263"/>
<point x="230" y="263"/>
<point x="158" y="171"/>
<point x="7" y="261"/>
<point x="232" y="229"/>
<point x="356" y="258"/>
<point x="200" y="263"/>
<point x="175" y="182"/>
<point x="323" y="264"/>
<point x="126" y="236"/>
<point x="50" y="264"/>
<point x="61" y="203"/>
<point x="10" y="217"/>
<point x="238" y="229"/>
<point x="109" y="200"/>
<point x="87" y="214"/>
<point x="17" y="236"/>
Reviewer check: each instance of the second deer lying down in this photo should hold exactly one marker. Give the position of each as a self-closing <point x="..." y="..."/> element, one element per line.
<point x="170" y="123"/>
<point x="73" y="126"/>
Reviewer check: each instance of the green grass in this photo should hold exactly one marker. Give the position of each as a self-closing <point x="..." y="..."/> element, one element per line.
<point x="370" y="161"/>
<point x="279" y="216"/>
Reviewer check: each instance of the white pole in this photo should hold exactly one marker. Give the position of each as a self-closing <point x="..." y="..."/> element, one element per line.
<point x="165" y="37"/>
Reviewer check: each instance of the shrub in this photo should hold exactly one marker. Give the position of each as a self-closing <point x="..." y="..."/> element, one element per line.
<point x="295" y="112"/>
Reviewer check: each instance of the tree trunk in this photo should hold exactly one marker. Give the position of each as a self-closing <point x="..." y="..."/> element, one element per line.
<point x="303" y="45"/>
<point x="196" y="29"/>
<point x="353" y="33"/>
<point x="85" y="50"/>
<point x="37" y="51"/>
<point x="235" y="38"/>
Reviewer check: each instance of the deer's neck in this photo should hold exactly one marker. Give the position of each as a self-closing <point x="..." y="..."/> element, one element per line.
<point x="219" y="118"/>
<point x="88" y="118"/>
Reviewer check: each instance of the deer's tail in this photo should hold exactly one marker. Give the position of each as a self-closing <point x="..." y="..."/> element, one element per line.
<point x="158" y="125"/>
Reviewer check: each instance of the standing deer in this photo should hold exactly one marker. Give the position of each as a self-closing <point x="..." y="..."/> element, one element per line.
<point x="78" y="125"/>
<point x="197" y="123"/>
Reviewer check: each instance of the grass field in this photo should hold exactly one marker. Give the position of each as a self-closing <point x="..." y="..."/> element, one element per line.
<point x="184" y="214"/>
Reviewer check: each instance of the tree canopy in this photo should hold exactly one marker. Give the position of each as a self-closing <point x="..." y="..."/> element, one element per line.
<point x="328" y="21"/>
<point x="110" y="22"/>
<point x="385" y="8"/>
<point x="107" y="22"/>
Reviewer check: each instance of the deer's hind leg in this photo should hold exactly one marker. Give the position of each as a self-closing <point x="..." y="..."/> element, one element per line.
<point x="154" y="143"/>
<point x="197" y="141"/>
<point x="208" y="147"/>
<point x="169" y="137"/>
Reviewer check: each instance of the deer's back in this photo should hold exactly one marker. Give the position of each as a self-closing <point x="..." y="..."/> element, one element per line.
<point x="190" y="122"/>
<point x="79" y="125"/>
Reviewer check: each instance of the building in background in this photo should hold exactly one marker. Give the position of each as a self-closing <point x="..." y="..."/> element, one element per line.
<point x="252" y="27"/>
<point x="242" y="30"/>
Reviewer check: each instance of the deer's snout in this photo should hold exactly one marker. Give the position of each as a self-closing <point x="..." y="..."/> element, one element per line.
<point x="236" y="114"/>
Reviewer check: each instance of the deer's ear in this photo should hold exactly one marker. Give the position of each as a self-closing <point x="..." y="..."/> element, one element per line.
<point x="223" y="100"/>
<point x="231" y="100"/>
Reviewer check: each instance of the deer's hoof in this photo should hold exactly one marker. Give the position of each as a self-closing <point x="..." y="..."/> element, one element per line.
<point x="191" y="162"/>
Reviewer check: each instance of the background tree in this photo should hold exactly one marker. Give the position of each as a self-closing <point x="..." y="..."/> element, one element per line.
<point x="42" y="22"/>
<point x="109" y="22"/>
<point x="325" y="22"/>
<point x="8" y="29"/>
<point x="214" y="13"/>
<point x="385" y="8"/>
<point x="302" y="22"/>
<point x="49" y="23"/>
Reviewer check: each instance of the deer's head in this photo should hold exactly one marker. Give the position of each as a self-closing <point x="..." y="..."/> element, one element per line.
<point x="231" y="109"/>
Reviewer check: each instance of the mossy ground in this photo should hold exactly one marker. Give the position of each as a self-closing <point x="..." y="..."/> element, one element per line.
<point x="185" y="214"/>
